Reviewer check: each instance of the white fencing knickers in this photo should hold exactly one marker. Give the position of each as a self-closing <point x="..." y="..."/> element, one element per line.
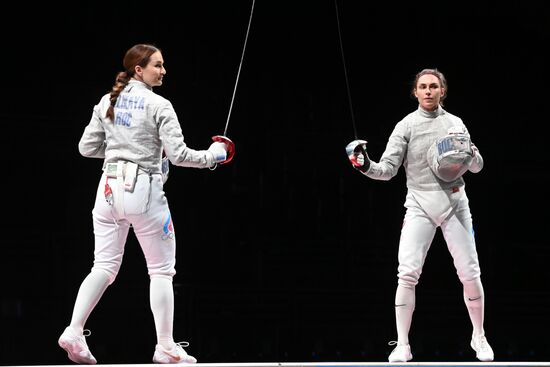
<point x="427" y="210"/>
<point x="146" y="210"/>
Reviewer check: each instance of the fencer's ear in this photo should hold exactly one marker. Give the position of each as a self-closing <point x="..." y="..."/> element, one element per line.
<point x="138" y="70"/>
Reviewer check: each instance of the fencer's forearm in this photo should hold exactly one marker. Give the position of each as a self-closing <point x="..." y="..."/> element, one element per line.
<point x="177" y="150"/>
<point x="393" y="155"/>
<point x="383" y="171"/>
<point x="188" y="157"/>
<point x="392" y="158"/>
<point x="181" y="155"/>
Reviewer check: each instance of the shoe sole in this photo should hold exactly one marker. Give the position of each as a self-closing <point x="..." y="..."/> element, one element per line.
<point x="74" y="357"/>
<point x="180" y="361"/>
<point x="400" y="360"/>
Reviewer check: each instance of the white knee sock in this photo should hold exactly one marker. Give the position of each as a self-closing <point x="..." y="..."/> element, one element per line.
<point x="89" y="294"/>
<point x="474" y="298"/>
<point x="162" y="306"/>
<point x="404" y="308"/>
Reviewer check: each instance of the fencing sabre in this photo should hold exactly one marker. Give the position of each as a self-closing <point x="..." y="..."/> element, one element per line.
<point x="223" y="138"/>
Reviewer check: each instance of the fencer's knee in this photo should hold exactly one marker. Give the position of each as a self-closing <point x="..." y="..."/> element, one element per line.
<point x="111" y="273"/>
<point x="167" y="270"/>
<point x="163" y="272"/>
<point x="472" y="285"/>
<point x="469" y="277"/>
<point x="407" y="280"/>
<point x="110" y="276"/>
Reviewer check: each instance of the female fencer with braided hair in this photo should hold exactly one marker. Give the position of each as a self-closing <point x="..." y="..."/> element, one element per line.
<point x="137" y="133"/>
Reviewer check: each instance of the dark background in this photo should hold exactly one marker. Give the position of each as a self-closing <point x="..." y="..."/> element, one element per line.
<point x="287" y="253"/>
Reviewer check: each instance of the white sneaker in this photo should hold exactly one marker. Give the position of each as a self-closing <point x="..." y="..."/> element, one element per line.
<point x="175" y="355"/>
<point x="76" y="347"/>
<point x="484" y="352"/>
<point x="401" y="353"/>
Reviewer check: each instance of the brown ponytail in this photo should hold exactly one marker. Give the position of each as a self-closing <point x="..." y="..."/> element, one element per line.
<point x="121" y="81"/>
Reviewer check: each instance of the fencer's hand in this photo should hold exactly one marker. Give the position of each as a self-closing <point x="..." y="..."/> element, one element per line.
<point x="357" y="159"/>
<point x="360" y="162"/>
<point x="360" y="159"/>
<point x="357" y="155"/>
<point x="219" y="151"/>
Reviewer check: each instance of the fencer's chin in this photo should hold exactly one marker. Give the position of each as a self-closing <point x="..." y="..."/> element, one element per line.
<point x="429" y="106"/>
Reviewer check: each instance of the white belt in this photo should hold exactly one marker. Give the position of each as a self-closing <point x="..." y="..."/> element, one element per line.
<point x="111" y="169"/>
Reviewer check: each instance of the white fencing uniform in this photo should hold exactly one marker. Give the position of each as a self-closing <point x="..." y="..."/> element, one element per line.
<point x="145" y="124"/>
<point x="137" y="143"/>
<point x="430" y="203"/>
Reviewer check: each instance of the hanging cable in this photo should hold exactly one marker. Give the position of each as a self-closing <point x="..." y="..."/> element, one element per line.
<point x="345" y="69"/>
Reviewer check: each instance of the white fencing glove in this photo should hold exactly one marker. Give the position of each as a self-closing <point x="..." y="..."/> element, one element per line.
<point x="357" y="155"/>
<point x="219" y="151"/>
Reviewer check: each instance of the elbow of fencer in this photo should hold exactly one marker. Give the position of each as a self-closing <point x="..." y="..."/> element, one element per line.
<point x="83" y="150"/>
<point x="91" y="151"/>
<point x="86" y="152"/>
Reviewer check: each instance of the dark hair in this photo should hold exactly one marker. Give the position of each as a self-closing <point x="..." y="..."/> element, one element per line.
<point x="139" y="54"/>
<point x="439" y="76"/>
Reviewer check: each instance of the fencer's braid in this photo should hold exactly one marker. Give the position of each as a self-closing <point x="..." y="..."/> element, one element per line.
<point x="121" y="81"/>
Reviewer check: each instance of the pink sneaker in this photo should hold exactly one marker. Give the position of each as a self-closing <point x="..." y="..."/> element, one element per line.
<point x="76" y="347"/>
<point x="175" y="355"/>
